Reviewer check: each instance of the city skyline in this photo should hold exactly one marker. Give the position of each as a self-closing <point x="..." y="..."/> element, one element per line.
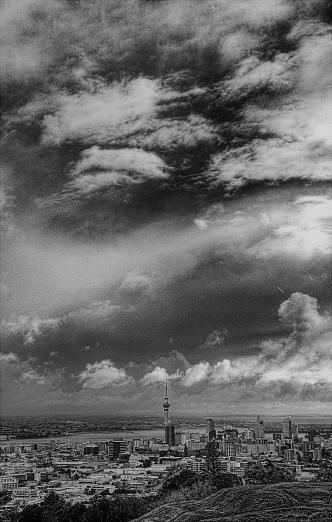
<point x="166" y="202"/>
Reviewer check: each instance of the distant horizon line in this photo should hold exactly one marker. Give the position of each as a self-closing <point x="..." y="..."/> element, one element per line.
<point x="175" y="414"/>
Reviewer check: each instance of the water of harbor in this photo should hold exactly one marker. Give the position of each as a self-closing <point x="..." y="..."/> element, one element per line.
<point x="157" y="433"/>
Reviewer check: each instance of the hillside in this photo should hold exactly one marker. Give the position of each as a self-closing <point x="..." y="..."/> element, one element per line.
<point x="291" y="502"/>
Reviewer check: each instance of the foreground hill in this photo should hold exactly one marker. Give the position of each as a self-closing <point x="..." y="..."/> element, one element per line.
<point x="287" y="501"/>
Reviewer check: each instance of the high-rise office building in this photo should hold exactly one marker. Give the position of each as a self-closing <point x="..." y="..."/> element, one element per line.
<point x="295" y="431"/>
<point x="180" y="438"/>
<point x="287" y="428"/>
<point x="170" y="434"/>
<point x="210" y="429"/>
<point x="90" y="449"/>
<point x="116" y="448"/>
<point x="259" y="429"/>
<point x="311" y="435"/>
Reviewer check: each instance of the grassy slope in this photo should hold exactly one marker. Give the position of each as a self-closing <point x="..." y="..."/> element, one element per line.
<point x="291" y="502"/>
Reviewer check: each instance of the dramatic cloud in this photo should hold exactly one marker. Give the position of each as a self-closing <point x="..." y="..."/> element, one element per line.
<point x="301" y="312"/>
<point x="297" y="367"/>
<point x="157" y="376"/>
<point x="304" y="357"/>
<point x="296" y="134"/>
<point x="165" y="183"/>
<point x="173" y="367"/>
<point x="103" y="374"/>
<point x="196" y="373"/>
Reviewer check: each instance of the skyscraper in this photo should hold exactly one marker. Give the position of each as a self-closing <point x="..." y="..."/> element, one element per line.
<point x="287" y="427"/>
<point x="210" y="429"/>
<point x="259" y="429"/>
<point x="116" y="448"/>
<point x="170" y="434"/>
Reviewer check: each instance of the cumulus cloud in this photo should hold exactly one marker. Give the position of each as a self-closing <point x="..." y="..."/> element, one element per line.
<point x="301" y="312"/>
<point x="297" y="367"/>
<point x="174" y="367"/>
<point x="102" y="375"/>
<point x="303" y="357"/>
<point x="157" y="376"/>
<point x="197" y="373"/>
<point x="29" y="327"/>
<point x="240" y="369"/>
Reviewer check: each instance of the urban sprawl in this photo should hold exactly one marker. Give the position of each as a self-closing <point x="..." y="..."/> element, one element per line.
<point x="76" y="470"/>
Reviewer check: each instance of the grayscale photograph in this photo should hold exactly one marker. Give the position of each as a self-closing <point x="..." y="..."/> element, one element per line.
<point x="166" y="258"/>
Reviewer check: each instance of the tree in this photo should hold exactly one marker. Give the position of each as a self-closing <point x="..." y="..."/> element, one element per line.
<point x="212" y="463"/>
<point x="115" y="510"/>
<point x="52" y="509"/>
<point x="324" y="474"/>
<point x="31" y="514"/>
<point x="182" y="478"/>
<point x="227" y="480"/>
<point x="268" y="474"/>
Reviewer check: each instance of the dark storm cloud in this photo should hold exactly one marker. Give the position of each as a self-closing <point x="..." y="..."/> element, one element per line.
<point x="293" y="368"/>
<point x="94" y="91"/>
<point x="189" y="286"/>
<point x="165" y="167"/>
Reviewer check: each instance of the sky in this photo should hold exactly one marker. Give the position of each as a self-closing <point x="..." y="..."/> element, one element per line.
<point x="166" y="206"/>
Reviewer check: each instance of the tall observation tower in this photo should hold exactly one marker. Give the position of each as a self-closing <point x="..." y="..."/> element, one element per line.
<point x="169" y="428"/>
<point x="166" y="404"/>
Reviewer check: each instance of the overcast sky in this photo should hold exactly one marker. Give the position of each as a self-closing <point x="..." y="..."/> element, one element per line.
<point x="166" y="199"/>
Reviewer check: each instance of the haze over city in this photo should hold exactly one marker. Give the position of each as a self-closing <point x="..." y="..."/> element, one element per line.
<point x="166" y="198"/>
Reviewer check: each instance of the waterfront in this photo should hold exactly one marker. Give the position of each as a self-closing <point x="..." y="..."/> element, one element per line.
<point x="85" y="437"/>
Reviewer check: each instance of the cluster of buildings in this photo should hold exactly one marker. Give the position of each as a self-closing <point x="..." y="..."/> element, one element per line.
<point x="138" y="466"/>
